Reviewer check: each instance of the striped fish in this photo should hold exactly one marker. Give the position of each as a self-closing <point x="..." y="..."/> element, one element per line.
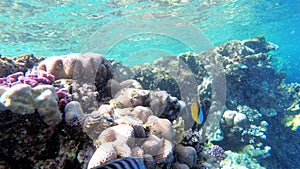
<point x="123" y="163"/>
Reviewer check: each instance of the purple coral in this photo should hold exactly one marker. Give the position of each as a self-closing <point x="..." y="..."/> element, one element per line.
<point x="217" y="152"/>
<point x="32" y="78"/>
<point x="64" y="96"/>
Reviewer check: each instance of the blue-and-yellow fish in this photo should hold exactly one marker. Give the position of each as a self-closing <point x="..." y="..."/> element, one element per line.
<point x="123" y="163"/>
<point x="197" y="112"/>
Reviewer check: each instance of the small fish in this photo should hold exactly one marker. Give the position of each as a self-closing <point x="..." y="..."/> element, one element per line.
<point x="123" y="163"/>
<point x="197" y="112"/>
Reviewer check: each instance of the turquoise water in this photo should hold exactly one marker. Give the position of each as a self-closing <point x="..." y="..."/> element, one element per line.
<point x="47" y="28"/>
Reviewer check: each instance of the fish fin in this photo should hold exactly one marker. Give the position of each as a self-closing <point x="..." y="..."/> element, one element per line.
<point x="195" y="111"/>
<point x="200" y="115"/>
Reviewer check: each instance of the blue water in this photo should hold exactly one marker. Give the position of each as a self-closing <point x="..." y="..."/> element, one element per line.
<point x="47" y="28"/>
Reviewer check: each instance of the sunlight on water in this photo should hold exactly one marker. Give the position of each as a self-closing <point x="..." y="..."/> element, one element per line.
<point x="48" y="28"/>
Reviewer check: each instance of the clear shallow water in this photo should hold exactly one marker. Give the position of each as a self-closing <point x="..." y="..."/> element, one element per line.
<point x="47" y="28"/>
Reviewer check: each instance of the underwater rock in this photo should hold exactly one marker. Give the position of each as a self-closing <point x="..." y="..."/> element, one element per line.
<point x="18" y="64"/>
<point x="149" y="161"/>
<point x="73" y="112"/>
<point x="186" y="155"/>
<point x="152" y="145"/>
<point x="137" y="152"/>
<point x="108" y="135"/>
<point x="7" y="66"/>
<point x="30" y="138"/>
<point x="19" y="99"/>
<point x="250" y="78"/>
<point x="84" y="156"/>
<point x="130" y="83"/>
<point x="238" y="130"/>
<point x="161" y="128"/>
<point x="160" y="102"/>
<point x="180" y="166"/>
<point x="131" y="97"/>
<point x="240" y="120"/>
<point x="252" y="85"/>
<point x="96" y="122"/>
<point x="122" y="134"/>
<point x="192" y="138"/>
<point x="165" y="157"/>
<point x="142" y="113"/>
<point x="27" y="135"/>
<point x="253" y="115"/>
<point x="112" y="88"/>
<point x="45" y="101"/>
<point x="229" y="117"/>
<point x="234" y="118"/>
<point x="22" y="99"/>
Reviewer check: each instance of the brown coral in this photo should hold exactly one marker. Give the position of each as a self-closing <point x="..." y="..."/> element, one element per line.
<point x="104" y="153"/>
<point x="186" y="155"/>
<point x="160" y="127"/>
<point x="17" y="64"/>
<point x="89" y="68"/>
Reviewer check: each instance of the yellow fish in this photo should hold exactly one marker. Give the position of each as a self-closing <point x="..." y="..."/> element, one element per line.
<point x="197" y="112"/>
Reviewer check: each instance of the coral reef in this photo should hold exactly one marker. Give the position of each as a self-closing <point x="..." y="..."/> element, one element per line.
<point x="237" y="160"/>
<point x="32" y="78"/>
<point x="18" y="64"/>
<point x="90" y="68"/>
<point x="186" y="155"/>
<point x="27" y="142"/>
<point x="22" y="99"/>
<point x="137" y="125"/>
<point x="73" y="113"/>
<point x="70" y="113"/>
<point x="217" y="152"/>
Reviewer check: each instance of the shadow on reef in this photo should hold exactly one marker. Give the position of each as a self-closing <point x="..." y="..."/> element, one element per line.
<point x="27" y="142"/>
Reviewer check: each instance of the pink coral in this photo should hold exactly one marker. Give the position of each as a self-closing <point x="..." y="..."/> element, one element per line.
<point x="32" y="78"/>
